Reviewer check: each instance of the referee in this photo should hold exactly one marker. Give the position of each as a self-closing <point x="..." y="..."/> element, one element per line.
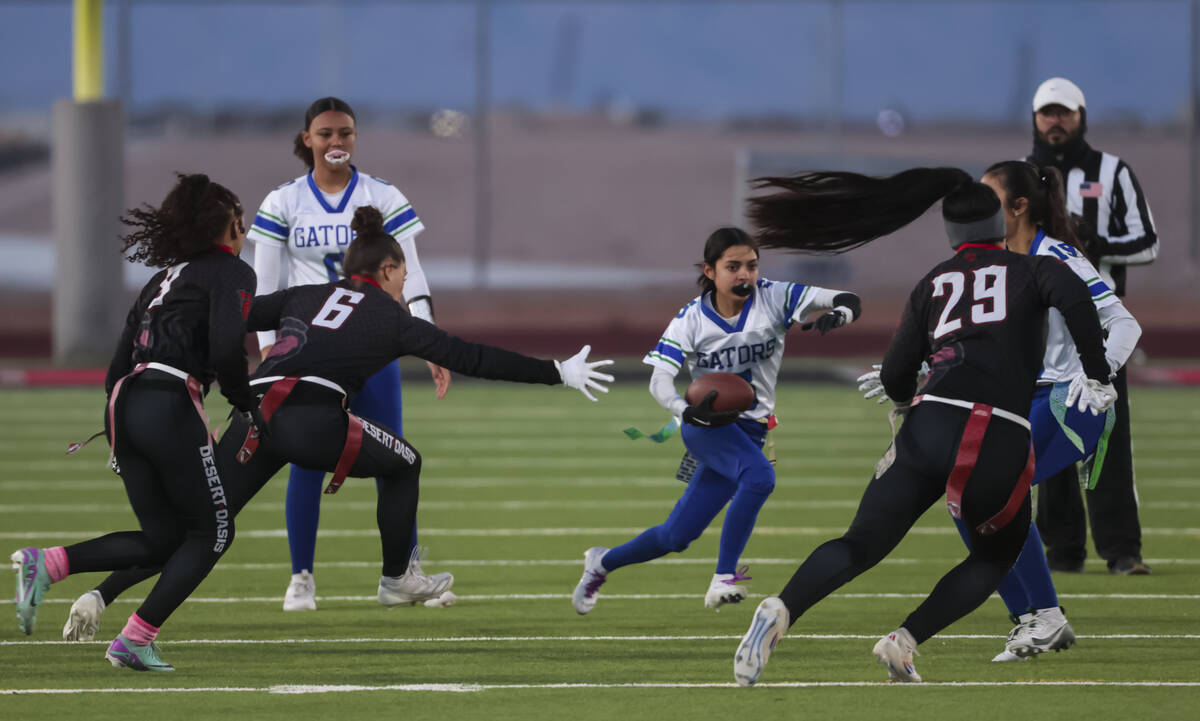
<point x="1117" y="230"/>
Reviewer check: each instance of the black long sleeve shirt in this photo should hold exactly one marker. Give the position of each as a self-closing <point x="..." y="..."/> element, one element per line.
<point x="979" y="319"/>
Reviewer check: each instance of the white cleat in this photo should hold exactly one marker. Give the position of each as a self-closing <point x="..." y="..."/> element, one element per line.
<point x="413" y="586"/>
<point x="1007" y="656"/>
<point x="895" y="651"/>
<point x="84" y="619"/>
<point x="724" y="589"/>
<point x="594" y="576"/>
<point x="301" y="593"/>
<point x="1048" y="630"/>
<point x="771" y="621"/>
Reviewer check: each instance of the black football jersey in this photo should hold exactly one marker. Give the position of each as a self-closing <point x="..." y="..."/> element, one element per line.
<point x="979" y="319"/>
<point x="192" y="316"/>
<point x="347" y="331"/>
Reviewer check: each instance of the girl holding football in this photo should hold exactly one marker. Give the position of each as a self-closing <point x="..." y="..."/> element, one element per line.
<point x="736" y="325"/>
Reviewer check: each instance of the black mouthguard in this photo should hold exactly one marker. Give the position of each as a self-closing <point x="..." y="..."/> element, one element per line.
<point x="743" y="289"/>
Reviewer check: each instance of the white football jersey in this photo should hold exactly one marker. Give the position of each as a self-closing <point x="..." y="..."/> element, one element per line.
<point x="1061" y="361"/>
<point x="315" y="226"/>
<point x="750" y="345"/>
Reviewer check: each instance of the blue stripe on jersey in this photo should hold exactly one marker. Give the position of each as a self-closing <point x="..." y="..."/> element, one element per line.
<point x="270" y="226"/>
<point x="669" y="351"/>
<point x="1098" y="288"/>
<point x="720" y="322"/>
<point x="793" y="300"/>
<point x="312" y="185"/>
<point x="1037" y="242"/>
<point x="400" y="219"/>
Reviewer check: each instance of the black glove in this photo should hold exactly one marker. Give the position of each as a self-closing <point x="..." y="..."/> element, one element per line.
<point x="703" y="415"/>
<point x="254" y="419"/>
<point x="835" y="318"/>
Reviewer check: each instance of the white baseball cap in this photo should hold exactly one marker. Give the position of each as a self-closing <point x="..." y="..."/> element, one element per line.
<point x="1058" y="91"/>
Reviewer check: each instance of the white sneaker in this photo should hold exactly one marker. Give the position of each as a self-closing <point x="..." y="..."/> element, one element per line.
<point x="413" y="586"/>
<point x="771" y="620"/>
<point x="723" y="589"/>
<point x="594" y="576"/>
<point x="1006" y="655"/>
<point x="84" y="619"/>
<point x="301" y="593"/>
<point x="895" y="651"/>
<point x="1048" y="630"/>
<point x="445" y="579"/>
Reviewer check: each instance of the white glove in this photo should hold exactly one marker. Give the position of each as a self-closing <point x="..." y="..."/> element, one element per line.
<point x="872" y="387"/>
<point x="1091" y="395"/>
<point x="576" y="372"/>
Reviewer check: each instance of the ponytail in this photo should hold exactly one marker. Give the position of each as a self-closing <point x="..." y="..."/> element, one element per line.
<point x="371" y="245"/>
<point x="1044" y="190"/>
<point x="833" y="212"/>
<point x="191" y="219"/>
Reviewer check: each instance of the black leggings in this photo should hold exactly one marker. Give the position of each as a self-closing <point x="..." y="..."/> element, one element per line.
<point x="176" y="489"/>
<point x="925" y="450"/>
<point x="310" y="429"/>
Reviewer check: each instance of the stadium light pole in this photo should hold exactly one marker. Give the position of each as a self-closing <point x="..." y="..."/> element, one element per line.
<point x="1194" y="127"/>
<point x="88" y="184"/>
<point x="483" y="167"/>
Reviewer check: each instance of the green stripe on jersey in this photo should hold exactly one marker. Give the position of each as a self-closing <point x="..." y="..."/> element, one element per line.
<point x="406" y="206"/>
<point x="405" y="227"/>
<point x="663" y="358"/>
<point x="668" y="341"/>
<point x="1102" y="297"/>
<point x="275" y="218"/>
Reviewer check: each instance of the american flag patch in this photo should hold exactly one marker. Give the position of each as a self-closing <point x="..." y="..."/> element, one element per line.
<point x="1091" y="190"/>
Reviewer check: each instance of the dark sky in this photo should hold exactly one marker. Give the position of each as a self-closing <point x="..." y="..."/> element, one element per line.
<point x="935" y="61"/>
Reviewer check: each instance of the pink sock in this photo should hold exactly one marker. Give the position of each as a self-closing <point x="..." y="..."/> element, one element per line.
<point x="139" y="631"/>
<point x="56" y="563"/>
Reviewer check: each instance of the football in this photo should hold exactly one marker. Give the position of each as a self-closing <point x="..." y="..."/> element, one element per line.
<point x="733" y="392"/>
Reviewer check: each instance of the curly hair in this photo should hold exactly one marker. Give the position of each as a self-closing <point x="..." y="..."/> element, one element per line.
<point x="372" y="245"/>
<point x="190" y="221"/>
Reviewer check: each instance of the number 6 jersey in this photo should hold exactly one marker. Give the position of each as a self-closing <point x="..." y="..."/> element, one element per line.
<point x="979" y="318"/>
<point x="313" y="227"/>
<point x="345" y="332"/>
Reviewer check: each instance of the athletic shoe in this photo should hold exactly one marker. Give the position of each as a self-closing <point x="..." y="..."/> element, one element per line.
<point x="895" y="651"/>
<point x="594" y="576"/>
<point x="413" y="586"/>
<point x="125" y="653"/>
<point x="32" y="582"/>
<point x="1006" y="656"/>
<point x="1128" y="566"/>
<point x="770" y="622"/>
<point x="724" y="589"/>
<point x="446" y="580"/>
<point x="84" y="620"/>
<point x="301" y="593"/>
<point x="1048" y="630"/>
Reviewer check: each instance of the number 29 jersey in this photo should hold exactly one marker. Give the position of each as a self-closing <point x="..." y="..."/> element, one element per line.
<point x="979" y="319"/>
<point x="315" y="226"/>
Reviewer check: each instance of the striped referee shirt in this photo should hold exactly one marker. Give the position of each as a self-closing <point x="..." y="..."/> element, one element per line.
<point x="1103" y="189"/>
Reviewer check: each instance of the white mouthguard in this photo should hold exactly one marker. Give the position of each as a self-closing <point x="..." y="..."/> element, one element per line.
<point x="337" y="157"/>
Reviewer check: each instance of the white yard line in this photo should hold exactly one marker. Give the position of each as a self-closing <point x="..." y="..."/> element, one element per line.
<point x="575" y="639"/>
<point x="480" y="687"/>
<point x="636" y="597"/>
